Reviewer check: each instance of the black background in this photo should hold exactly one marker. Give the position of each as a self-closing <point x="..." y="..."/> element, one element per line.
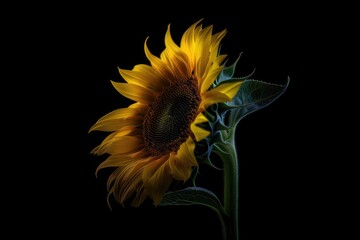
<point x="72" y="53"/>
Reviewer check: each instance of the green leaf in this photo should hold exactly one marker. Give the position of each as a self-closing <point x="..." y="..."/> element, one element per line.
<point x="252" y="96"/>
<point x="227" y="74"/>
<point x="192" y="196"/>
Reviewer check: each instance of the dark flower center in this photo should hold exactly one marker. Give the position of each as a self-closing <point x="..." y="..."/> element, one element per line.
<point x="167" y="121"/>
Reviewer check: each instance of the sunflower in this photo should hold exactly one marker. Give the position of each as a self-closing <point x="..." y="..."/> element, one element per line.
<point x="152" y="141"/>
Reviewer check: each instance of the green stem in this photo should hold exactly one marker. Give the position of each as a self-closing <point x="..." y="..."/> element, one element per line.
<point x="224" y="227"/>
<point x="231" y="184"/>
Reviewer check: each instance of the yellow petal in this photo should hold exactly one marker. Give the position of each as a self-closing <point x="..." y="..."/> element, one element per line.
<point x="187" y="43"/>
<point x="97" y="149"/>
<point x="123" y="189"/>
<point x="211" y="97"/>
<point x="119" y="145"/>
<point x="209" y="79"/>
<point x="110" y="138"/>
<point x="178" y="60"/>
<point x="140" y="196"/>
<point x="156" y="178"/>
<point x="125" y="144"/>
<point x="187" y="40"/>
<point x="202" y="51"/>
<point x="199" y="132"/>
<point x="134" y="92"/>
<point x="115" y="174"/>
<point x="154" y="61"/>
<point x="144" y="76"/>
<point x="181" y="163"/>
<point x="126" y="180"/>
<point x="139" y="106"/>
<point x="230" y="89"/>
<point x="215" y="42"/>
<point x="222" y="93"/>
<point x="150" y="71"/>
<point x="116" y="115"/>
<point x="113" y="137"/>
<point x="157" y="63"/>
<point x="186" y="152"/>
<point x="130" y="179"/>
<point x="115" y="160"/>
<point x="115" y="124"/>
<point x="219" y="60"/>
<point x="179" y="171"/>
<point x="170" y="44"/>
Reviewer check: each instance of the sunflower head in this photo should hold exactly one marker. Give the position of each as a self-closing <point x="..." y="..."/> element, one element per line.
<point x="152" y="141"/>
